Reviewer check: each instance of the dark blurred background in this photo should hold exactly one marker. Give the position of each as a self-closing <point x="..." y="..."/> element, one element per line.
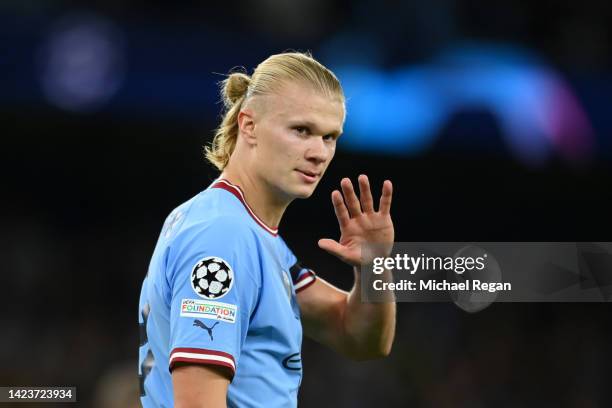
<point x="491" y="118"/>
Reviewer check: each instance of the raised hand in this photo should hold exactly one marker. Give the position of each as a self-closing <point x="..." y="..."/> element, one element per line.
<point x="360" y="223"/>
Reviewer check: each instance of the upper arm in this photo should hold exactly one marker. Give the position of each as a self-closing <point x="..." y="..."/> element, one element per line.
<point x="322" y="306"/>
<point x="340" y="321"/>
<point x="199" y="386"/>
<point x="208" y="326"/>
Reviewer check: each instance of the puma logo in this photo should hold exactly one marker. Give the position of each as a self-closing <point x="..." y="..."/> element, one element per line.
<point x="198" y="323"/>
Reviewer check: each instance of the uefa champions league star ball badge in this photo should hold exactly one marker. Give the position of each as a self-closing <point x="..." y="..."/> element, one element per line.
<point x="212" y="278"/>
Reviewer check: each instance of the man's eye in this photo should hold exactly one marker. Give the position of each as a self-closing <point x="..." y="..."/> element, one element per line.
<point x="301" y="130"/>
<point x="329" y="137"/>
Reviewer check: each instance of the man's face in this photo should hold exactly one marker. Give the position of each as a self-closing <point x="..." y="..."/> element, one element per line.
<point x="295" y="131"/>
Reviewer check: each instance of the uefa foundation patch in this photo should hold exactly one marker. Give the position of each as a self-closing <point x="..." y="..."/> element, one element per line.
<point x="212" y="278"/>
<point x="207" y="309"/>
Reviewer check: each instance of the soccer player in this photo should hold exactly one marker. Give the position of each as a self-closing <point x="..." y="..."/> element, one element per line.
<point x="225" y="301"/>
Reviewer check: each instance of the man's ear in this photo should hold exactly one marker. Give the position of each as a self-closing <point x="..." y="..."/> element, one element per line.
<point x="246" y="125"/>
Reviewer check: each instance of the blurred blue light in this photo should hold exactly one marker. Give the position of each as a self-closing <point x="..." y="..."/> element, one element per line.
<point x="402" y="111"/>
<point x="82" y="63"/>
<point x="387" y="112"/>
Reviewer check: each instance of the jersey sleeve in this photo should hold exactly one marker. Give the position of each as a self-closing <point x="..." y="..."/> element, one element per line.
<point x="214" y="279"/>
<point x="301" y="276"/>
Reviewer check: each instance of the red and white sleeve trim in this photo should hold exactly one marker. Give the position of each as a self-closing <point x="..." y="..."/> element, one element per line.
<point x="202" y="356"/>
<point x="305" y="280"/>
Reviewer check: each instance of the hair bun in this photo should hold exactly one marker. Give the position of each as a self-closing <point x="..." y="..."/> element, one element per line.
<point x="235" y="88"/>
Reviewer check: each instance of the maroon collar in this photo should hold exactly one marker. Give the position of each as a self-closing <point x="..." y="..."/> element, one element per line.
<point x="236" y="191"/>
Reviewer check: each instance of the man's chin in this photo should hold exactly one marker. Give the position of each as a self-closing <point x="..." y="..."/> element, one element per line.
<point x="303" y="191"/>
<point x="306" y="195"/>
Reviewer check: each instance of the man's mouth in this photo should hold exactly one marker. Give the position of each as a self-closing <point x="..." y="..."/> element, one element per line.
<point x="309" y="176"/>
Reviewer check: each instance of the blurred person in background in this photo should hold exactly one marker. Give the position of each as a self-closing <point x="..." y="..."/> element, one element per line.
<point x="225" y="301"/>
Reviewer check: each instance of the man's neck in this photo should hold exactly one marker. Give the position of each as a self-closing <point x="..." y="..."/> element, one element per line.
<point x="259" y="195"/>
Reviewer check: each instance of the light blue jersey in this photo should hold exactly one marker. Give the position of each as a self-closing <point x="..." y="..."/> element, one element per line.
<point x="221" y="290"/>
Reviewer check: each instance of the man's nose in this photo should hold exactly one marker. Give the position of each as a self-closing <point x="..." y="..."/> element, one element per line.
<point x="317" y="150"/>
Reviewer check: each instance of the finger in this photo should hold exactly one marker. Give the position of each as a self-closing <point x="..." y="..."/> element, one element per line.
<point x="352" y="202"/>
<point x="331" y="246"/>
<point x="365" y="195"/>
<point x="340" y="209"/>
<point x="385" y="198"/>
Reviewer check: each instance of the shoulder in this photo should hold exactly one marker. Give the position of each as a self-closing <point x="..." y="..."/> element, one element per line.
<point x="222" y="230"/>
<point x="211" y="214"/>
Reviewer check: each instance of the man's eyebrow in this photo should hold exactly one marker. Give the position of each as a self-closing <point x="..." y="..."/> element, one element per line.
<point x="313" y="126"/>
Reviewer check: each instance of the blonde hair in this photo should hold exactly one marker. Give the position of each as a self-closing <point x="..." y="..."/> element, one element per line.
<point x="267" y="78"/>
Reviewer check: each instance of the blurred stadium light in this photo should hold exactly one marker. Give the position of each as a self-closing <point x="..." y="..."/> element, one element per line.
<point x="82" y="64"/>
<point x="402" y="111"/>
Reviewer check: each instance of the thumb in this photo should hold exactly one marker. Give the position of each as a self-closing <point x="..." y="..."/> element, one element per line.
<point x="331" y="246"/>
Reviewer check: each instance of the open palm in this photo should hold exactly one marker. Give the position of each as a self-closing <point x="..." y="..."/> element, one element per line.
<point x="360" y="223"/>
